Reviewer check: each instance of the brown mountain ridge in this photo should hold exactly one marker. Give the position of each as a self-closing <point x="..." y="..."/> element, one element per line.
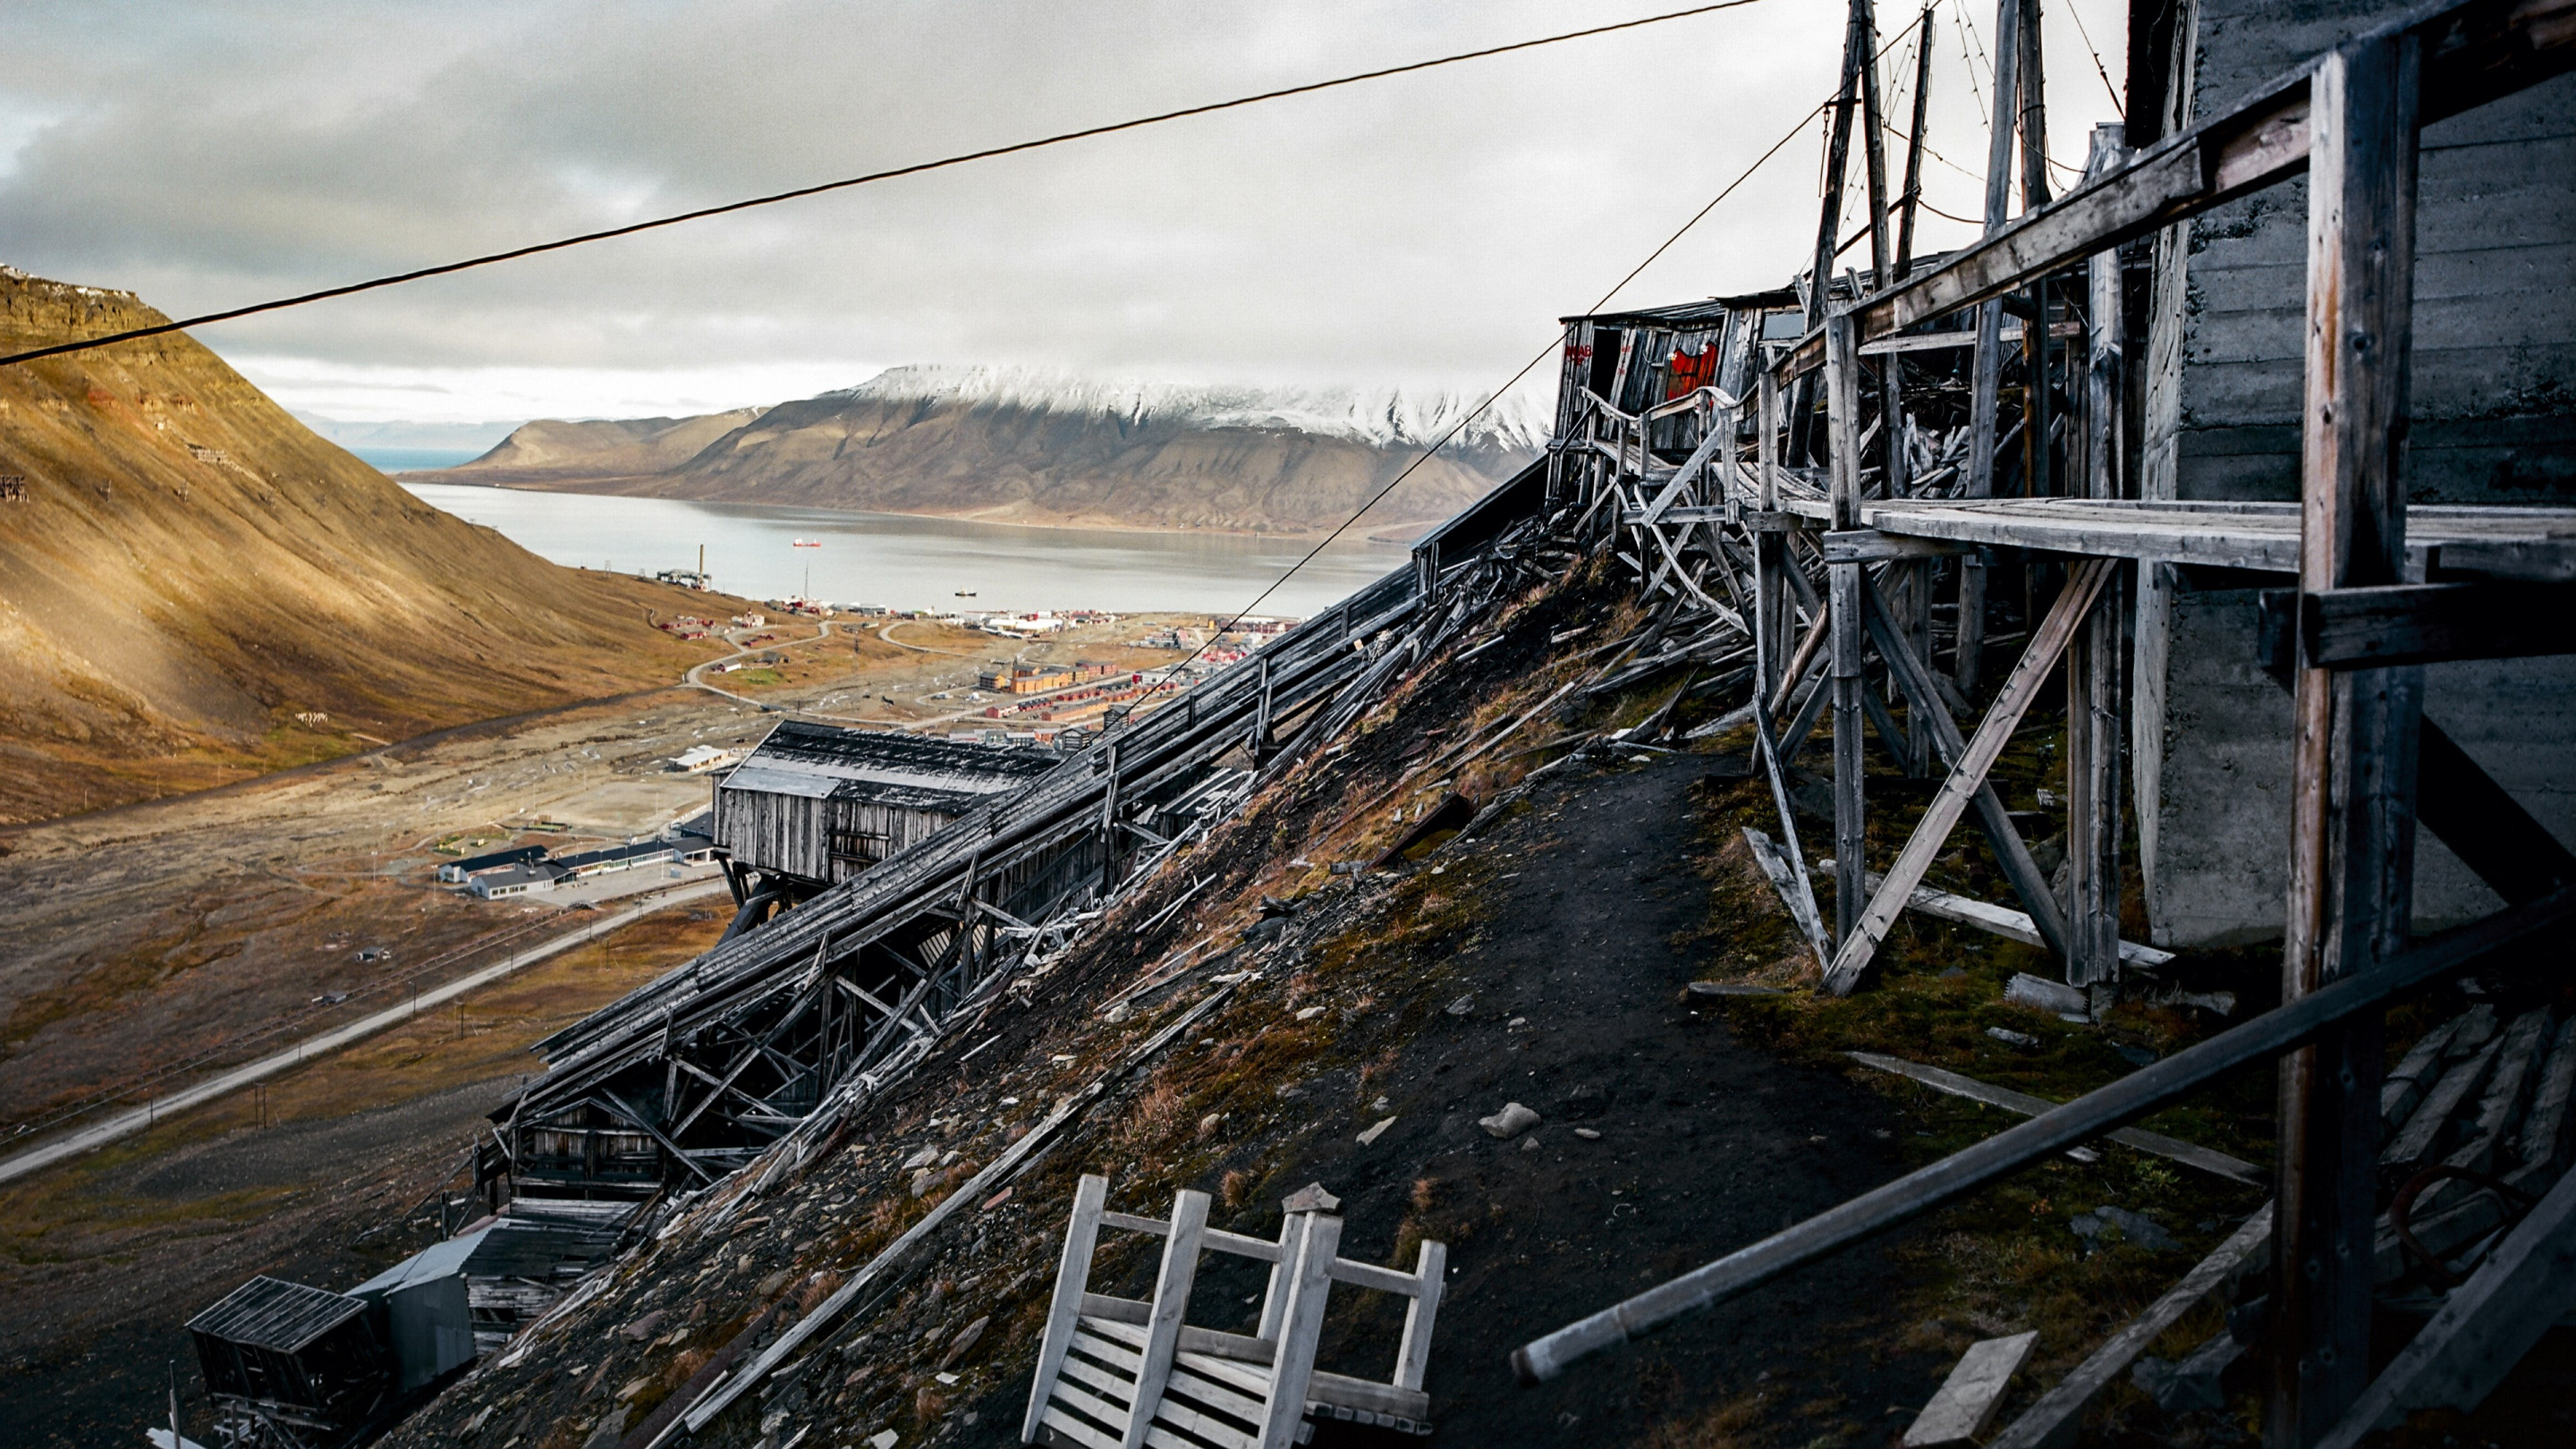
<point x="194" y="587"/>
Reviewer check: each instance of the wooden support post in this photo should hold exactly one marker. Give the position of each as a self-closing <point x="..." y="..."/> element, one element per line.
<point x="1301" y="1320"/>
<point x="2094" y="716"/>
<point x="1072" y="1280"/>
<point x="1171" y="1303"/>
<point x="1842" y="402"/>
<point x="1864" y="27"/>
<point x="1854" y="953"/>
<point x="2037" y="404"/>
<point x="2353" y="741"/>
<point x="1913" y="193"/>
<point x="1987" y="370"/>
<point x="1773" y="626"/>
<point x="1413" y="1351"/>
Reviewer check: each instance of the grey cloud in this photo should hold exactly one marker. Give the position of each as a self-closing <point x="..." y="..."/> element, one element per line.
<point x="1425" y="229"/>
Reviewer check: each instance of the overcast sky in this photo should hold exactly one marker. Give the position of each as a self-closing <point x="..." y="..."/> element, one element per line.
<point x="1422" y="231"/>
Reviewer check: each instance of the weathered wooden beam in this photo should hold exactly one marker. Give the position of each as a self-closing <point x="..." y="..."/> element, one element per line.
<point x="1914" y="677"/>
<point x="1859" y="945"/>
<point x="2483" y="1329"/>
<point x="2485" y="827"/>
<point x="2154" y="1144"/>
<point x="2390" y="624"/>
<point x="1870" y="545"/>
<point x="2474" y="52"/>
<point x="2353" y="744"/>
<point x="1842" y="401"/>
<point x="2052" y="1422"/>
<point x="2150" y="1088"/>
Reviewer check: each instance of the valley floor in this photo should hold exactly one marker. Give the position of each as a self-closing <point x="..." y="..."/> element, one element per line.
<point x="191" y="933"/>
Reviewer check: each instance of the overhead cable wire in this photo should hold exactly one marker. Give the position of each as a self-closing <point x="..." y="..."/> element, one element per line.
<point x="914" y="169"/>
<point x="1540" y="356"/>
<point x="2117" y="109"/>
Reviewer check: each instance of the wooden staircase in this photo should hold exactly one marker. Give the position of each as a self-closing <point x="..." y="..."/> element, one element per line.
<point x="1123" y="1373"/>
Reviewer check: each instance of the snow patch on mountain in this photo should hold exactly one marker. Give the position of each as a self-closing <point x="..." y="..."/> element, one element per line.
<point x="1385" y="417"/>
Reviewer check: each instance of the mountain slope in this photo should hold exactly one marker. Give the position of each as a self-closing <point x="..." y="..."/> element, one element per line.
<point x="606" y="448"/>
<point x="185" y="570"/>
<point x="1037" y="447"/>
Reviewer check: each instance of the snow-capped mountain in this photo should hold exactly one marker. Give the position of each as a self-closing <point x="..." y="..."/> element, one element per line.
<point x="1384" y="417"/>
<point x="1036" y="446"/>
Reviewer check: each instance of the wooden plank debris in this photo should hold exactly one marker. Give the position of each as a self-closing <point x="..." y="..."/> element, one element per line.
<point x="2155" y="1144"/>
<point x="1968" y="1398"/>
<point x="2484" y="1329"/>
<point x="2052" y="1422"/>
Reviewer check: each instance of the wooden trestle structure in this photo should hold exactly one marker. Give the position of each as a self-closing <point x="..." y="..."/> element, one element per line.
<point x="1823" y="551"/>
<point x="765" y="1043"/>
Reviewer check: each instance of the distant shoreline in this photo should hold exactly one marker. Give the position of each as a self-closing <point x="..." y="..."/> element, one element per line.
<point x="1401" y="535"/>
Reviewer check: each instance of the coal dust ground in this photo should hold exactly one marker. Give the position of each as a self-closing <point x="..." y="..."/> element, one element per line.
<point x="1575" y="1002"/>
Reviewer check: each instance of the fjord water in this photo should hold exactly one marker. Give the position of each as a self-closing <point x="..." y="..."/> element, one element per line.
<point x="906" y="562"/>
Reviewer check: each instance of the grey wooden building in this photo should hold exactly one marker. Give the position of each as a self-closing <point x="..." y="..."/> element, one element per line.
<point x="822" y="804"/>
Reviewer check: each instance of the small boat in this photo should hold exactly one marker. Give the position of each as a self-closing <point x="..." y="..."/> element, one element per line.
<point x="806" y="543"/>
<point x="965" y="593"/>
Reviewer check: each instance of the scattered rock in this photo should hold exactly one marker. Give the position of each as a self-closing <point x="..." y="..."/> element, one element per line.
<point x="2194" y="1382"/>
<point x="926" y="1156"/>
<point x="1584" y="1101"/>
<point x="1309" y="1013"/>
<point x="1310" y="1199"/>
<point x="1369" y="1138"/>
<point x="2106" y="1224"/>
<point x="605" y="1434"/>
<point x="770" y="1285"/>
<point x="644" y="1327"/>
<point x="2041" y="994"/>
<point x="2012" y="1038"/>
<point x="1587" y="1134"/>
<point x="1733" y="988"/>
<point x="1529" y="1143"/>
<point x="631" y="1389"/>
<point x="922" y="1180"/>
<point x="2136" y="1056"/>
<point x="1463" y="1006"/>
<point x="964" y="1340"/>
<point x="884" y="1439"/>
<point x="1510" y="1122"/>
<point x="996" y="1200"/>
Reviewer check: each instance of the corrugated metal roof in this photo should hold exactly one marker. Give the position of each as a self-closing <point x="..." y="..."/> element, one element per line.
<point x="438" y="1260"/>
<point x="274" y="1314"/>
<point x="815" y="761"/>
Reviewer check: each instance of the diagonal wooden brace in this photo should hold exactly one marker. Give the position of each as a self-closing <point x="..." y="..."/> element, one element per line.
<point x="2084" y="582"/>
<point x="1919" y="684"/>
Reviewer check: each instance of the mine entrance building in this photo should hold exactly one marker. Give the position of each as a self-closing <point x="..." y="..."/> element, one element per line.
<point x="820" y="804"/>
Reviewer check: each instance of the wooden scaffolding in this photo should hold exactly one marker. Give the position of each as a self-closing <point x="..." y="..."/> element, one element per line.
<point x="1819" y="549"/>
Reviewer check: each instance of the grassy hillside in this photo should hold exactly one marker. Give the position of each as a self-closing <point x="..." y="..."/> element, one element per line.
<point x="195" y="588"/>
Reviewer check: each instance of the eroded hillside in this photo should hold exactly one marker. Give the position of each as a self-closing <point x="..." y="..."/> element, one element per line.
<point x="1254" y="1020"/>
<point x="195" y="587"/>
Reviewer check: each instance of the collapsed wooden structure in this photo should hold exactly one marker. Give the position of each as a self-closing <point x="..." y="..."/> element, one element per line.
<point x="768" y="1041"/>
<point x="1122" y="1373"/>
<point x="1817" y="541"/>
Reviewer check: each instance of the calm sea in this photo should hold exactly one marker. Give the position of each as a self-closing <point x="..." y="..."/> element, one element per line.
<point x="905" y="562"/>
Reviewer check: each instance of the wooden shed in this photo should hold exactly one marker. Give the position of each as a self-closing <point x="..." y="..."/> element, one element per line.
<point x="293" y="1355"/>
<point x="822" y="804"/>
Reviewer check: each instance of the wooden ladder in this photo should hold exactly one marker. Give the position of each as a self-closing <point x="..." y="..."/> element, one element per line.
<point x="1123" y="1373"/>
